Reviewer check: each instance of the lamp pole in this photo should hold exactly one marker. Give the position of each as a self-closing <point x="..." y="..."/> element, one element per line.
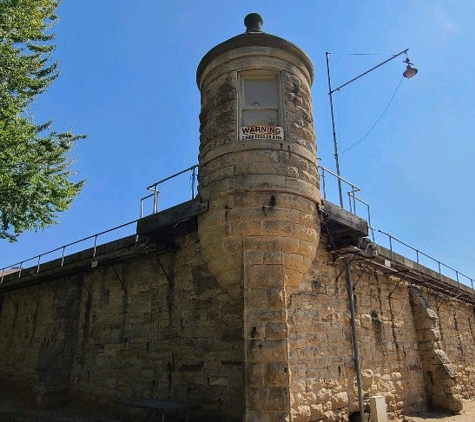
<point x="409" y="73"/>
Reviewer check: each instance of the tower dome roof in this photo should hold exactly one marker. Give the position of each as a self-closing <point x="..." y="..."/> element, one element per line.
<point x="253" y="37"/>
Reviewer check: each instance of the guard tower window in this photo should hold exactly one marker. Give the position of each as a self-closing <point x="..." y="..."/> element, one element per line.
<point x="259" y="102"/>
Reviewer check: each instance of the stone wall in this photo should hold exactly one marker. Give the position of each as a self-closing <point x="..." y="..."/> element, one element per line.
<point x="160" y="326"/>
<point x="154" y="327"/>
<point x="38" y="331"/>
<point x="323" y="378"/>
<point x="171" y="334"/>
<point x="457" y="335"/>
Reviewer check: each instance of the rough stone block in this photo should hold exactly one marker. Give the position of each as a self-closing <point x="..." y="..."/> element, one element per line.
<point x="273" y="257"/>
<point x="277" y="374"/>
<point x="275" y="297"/>
<point x="259" y="276"/>
<point x="259" y="416"/>
<point x="301" y="414"/>
<point x="339" y="400"/>
<point x="267" y="351"/>
<point x="275" y="330"/>
<point x="268" y="399"/>
<point x="256" y="297"/>
<point x="261" y="315"/>
<point x="278" y="228"/>
<point x="256" y="374"/>
<point x="316" y="412"/>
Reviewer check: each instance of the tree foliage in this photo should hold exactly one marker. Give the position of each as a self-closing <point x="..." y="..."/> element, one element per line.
<point x="35" y="173"/>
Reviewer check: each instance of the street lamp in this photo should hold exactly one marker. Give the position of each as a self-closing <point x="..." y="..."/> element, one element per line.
<point x="409" y="73"/>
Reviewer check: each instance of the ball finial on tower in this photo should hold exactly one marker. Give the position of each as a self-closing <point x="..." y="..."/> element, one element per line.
<point x="253" y="22"/>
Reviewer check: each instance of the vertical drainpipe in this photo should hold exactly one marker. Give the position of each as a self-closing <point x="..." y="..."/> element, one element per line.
<point x="356" y="354"/>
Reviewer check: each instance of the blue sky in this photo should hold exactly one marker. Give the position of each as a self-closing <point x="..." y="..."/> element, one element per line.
<point x="128" y="82"/>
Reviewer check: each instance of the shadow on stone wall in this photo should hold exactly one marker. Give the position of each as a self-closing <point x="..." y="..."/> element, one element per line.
<point x="440" y="376"/>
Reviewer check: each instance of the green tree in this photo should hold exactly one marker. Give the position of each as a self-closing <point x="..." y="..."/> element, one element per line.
<point x="35" y="173"/>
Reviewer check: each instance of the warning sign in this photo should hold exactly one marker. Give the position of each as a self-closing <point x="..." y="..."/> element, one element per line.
<point x="262" y="132"/>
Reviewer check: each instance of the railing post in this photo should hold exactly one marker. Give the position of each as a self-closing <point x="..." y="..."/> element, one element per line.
<point x="155" y="199"/>
<point x="38" y="265"/>
<point x="62" y="255"/>
<point x="353" y="194"/>
<point x="95" y="246"/>
<point x="324" y="184"/>
<point x="369" y="221"/>
<point x="193" y="176"/>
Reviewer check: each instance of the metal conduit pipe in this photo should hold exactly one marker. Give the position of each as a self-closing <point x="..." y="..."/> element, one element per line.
<point x="356" y="355"/>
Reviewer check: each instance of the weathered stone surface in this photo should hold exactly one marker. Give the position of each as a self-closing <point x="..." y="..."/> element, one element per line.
<point x="339" y="400"/>
<point x="277" y="374"/>
<point x="440" y="374"/>
<point x="183" y="336"/>
<point x="248" y="317"/>
<point x="301" y="414"/>
<point x="261" y="229"/>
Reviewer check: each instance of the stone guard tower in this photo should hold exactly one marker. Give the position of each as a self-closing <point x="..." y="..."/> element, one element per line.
<point x="258" y="173"/>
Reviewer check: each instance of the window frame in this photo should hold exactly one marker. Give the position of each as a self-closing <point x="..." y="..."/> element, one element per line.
<point x="259" y="75"/>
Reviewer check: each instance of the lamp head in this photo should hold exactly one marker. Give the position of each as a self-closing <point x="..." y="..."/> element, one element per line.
<point x="410" y="71"/>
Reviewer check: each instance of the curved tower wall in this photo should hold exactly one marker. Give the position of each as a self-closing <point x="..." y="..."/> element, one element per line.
<point x="259" y="190"/>
<point x="261" y="231"/>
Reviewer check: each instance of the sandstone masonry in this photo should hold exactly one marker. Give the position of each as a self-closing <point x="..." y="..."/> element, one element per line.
<point x="237" y="301"/>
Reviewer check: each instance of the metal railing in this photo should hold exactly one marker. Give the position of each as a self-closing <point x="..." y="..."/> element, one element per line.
<point x="62" y="251"/>
<point x="38" y="259"/>
<point x="430" y="262"/>
<point x="193" y="170"/>
<point x="353" y="200"/>
<point x="325" y="174"/>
